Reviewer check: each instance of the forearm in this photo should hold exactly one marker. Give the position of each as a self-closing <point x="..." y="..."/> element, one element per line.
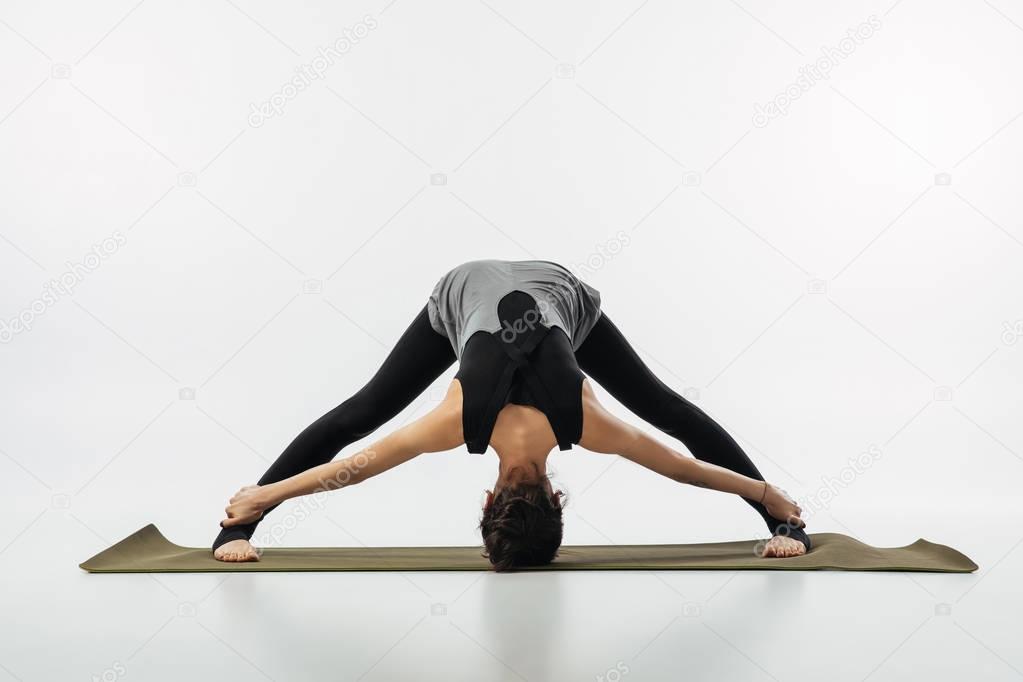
<point x="437" y="431"/>
<point x="324" y="477"/>
<point x="706" y="475"/>
<point x="603" y="432"/>
<point x="341" y="473"/>
<point x="658" y="457"/>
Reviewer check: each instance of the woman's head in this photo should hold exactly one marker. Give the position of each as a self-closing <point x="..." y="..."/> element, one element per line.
<point x="521" y="522"/>
<point x="522" y="525"/>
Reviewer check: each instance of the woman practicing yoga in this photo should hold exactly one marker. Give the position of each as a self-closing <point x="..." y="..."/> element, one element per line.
<point x="524" y="333"/>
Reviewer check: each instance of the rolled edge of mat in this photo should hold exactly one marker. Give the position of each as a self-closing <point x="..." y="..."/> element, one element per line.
<point x="147" y="536"/>
<point x="969" y="565"/>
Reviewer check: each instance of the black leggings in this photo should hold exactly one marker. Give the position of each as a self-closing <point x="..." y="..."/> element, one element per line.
<point x="422" y="354"/>
<point x="608" y="358"/>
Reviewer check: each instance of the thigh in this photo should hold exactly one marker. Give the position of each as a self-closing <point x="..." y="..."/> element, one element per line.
<point x="616" y="366"/>
<point x="607" y="357"/>
<point x="417" y="359"/>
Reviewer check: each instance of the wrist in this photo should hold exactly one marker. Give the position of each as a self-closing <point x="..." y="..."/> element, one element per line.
<point x="758" y="491"/>
<point x="267" y="495"/>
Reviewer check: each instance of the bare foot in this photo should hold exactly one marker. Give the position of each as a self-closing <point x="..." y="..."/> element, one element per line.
<point x="782" y="546"/>
<point x="236" y="550"/>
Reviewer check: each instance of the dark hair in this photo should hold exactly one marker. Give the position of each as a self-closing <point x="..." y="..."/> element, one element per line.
<point x="522" y="527"/>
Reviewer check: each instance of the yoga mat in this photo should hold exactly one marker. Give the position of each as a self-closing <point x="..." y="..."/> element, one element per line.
<point x="148" y="551"/>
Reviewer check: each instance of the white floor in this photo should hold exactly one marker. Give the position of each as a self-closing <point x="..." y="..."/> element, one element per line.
<point x="61" y="623"/>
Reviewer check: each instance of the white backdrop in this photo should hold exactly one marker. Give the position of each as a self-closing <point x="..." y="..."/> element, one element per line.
<point x="217" y="217"/>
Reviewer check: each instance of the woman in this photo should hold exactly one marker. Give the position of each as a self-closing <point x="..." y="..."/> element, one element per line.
<point x="524" y="333"/>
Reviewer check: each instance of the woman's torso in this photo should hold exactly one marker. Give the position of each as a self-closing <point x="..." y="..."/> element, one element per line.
<point x="465" y="299"/>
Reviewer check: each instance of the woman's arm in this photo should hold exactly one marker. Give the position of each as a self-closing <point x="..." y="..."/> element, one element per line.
<point x="437" y="431"/>
<point x="603" y="432"/>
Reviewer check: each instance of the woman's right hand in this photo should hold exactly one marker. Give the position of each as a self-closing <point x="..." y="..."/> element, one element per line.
<point x="782" y="507"/>
<point x="247" y="505"/>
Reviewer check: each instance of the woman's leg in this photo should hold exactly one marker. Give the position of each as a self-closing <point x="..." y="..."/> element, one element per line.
<point x="607" y="357"/>
<point x="420" y="356"/>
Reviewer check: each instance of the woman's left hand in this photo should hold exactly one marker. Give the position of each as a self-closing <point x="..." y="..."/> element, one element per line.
<point x="782" y="507"/>
<point x="247" y="505"/>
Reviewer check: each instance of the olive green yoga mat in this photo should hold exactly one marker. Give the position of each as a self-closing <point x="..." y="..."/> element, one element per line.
<point x="148" y="551"/>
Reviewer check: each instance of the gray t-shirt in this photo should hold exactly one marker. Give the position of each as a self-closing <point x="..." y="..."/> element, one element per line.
<point x="465" y="299"/>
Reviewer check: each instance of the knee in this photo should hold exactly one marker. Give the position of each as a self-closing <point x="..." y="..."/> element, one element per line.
<point x="675" y="412"/>
<point x="353" y="419"/>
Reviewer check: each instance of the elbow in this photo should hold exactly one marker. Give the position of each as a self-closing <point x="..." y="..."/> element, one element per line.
<point x="688" y="471"/>
<point x="448" y="433"/>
